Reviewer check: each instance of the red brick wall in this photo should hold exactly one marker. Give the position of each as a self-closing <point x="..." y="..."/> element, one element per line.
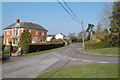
<point x="7" y="35"/>
<point x="33" y="34"/>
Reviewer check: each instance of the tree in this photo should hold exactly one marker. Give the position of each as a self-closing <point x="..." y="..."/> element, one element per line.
<point x="11" y="47"/>
<point x="90" y="31"/>
<point x="105" y="15"/>
<point x="105" y="32"/>
<point x="115" y="25"/>
<point x="98" y="31"/>
<point x="72" y="37"/>
<point x="80" y="34"/>
<point x="25" y="40"/>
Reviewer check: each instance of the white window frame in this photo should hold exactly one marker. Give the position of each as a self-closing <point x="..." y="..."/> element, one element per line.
<point x="16" y="32"/>
<point x="36" y="33"/>
<point x="43" y="33"/>
<point x="7" y="40"/>
<point x="7" y="32"/>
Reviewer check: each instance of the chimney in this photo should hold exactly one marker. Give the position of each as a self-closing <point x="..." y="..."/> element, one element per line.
<point x="17" y="20"/>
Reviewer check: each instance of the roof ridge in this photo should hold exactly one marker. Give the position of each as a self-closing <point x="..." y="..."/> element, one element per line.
<point x="28" y="25"/>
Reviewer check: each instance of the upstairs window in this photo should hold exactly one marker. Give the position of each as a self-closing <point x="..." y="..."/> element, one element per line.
<point x="15" y="32"/>
<point x="42" y="33"/>
<point x="7" y="32"/>
<point x="36" y="32"/>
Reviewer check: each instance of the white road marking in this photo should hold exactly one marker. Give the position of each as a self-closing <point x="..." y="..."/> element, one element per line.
<point x="58" y="55"/>
<point x="64" y="57"/>
<point x="74" y="59"/>
<point x="85" y="60"/>
<point x="103" y="62"/>
<point x="53" y="52"/>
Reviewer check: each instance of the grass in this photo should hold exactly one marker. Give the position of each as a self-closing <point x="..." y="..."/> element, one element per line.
<point x="103" y="51"/>
<point x="100" y="70"/>
<point x="42" y="52"/>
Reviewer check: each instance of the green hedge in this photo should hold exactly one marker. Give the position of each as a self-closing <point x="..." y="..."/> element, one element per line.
<point x="95" y="45"/>
<point x="42" y="47"/>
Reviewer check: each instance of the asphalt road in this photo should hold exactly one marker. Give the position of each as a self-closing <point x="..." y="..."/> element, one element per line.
<point x="32" y="66"/>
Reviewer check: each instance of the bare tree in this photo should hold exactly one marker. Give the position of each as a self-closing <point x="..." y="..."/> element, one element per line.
<point x="106" y="14"/>
<point x="80" y="35"/>
<point x="98" y="31"/>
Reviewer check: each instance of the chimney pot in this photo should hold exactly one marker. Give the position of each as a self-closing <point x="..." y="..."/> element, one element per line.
<point x="17" y="20"/>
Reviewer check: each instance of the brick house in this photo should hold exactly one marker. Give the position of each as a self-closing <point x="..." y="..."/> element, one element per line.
<point x="12" y="32"/>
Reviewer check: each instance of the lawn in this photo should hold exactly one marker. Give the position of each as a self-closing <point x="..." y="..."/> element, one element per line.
<point x="106" y="70"/>
<point x="104" y="51"/>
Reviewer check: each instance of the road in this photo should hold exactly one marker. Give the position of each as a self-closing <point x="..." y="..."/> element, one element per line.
<point x="32" y="66"/>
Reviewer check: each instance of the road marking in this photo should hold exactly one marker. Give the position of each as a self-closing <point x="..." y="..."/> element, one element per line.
<point x="74" y="59"/>
<point x="64" y="57"/>
<point x="53" y="52"/>
<point x="103" y="62"/>
<point x="58" y="55"/>
<point x="85" y="60"/>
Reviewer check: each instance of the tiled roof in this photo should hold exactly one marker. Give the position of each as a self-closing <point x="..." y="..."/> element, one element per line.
<point x="27" y="25"/>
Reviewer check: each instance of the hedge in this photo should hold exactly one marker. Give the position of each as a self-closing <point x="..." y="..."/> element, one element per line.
<point x="95" y="45"/>
<point x="42" y="47"/>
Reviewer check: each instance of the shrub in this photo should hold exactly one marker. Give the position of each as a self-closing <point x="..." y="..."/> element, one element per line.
<point x="7" y="50"/>
<point x="101" y="44"/>
<point x="79" y="40"/>
<point x="15" y="49"/>
<point x="95" y="45"/>
<point x="42" y="47"/>
<point x="101" y="38"/>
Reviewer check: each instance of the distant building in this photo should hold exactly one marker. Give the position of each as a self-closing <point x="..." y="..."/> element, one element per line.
<point x="49" y="37"/>
<point x="12" y="32"/>
<point x="60" y="36"/>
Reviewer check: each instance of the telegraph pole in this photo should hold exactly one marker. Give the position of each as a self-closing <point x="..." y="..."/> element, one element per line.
<point x="83" y="35"/>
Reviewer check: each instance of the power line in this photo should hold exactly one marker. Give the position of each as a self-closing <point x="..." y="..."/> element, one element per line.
<point x="71" y="10"/>
<point x="76" y="19"/>
<point x="68" y="12"/>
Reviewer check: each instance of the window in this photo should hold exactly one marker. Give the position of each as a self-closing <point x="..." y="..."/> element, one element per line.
<point x="15" y="32"/>
<point x="7" y="40"/>
<point x="15" y="41"/>
<point x="42" y="33"/>
<point x="7" y="32"/>
<point x="36" y="32"/>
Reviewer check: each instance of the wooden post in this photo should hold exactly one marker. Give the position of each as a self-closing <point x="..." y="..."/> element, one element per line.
<point x="83" y="36"/>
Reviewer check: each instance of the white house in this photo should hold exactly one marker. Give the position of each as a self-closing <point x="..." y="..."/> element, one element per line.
<point x="60" y="36"/>
<point x="49" y="37"/>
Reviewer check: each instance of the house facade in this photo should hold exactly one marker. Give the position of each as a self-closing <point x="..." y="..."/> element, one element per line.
<point x="13" y="32"/>
<point x="60" y="36"/>
<point x="49" y="37"/>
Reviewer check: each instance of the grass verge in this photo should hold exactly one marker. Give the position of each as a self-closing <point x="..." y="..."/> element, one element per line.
<point x="103" y="51"/>
<point x="106" y="70"/>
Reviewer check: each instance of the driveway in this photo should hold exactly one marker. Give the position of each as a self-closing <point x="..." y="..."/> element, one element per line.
<point x="32" y="66"/>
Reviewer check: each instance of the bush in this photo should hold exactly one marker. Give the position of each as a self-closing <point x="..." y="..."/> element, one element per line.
<point x="15" y="49"/>
<point x="101" y="38"/>
<point x="79" y="40"/>
<point x="95" y="45"/>
<point x="42" y="47"/>
<point x="7" y="50"/>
